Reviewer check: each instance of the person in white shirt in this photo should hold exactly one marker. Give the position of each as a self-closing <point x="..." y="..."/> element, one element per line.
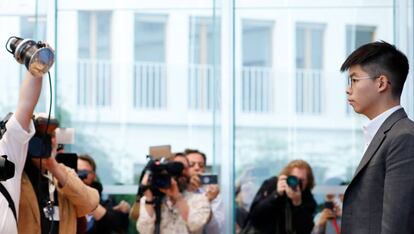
<point x="379" y="196"/>
<point x="197" y="165"/>
<point x="181" y="211"/>
<point x="14" y="144"/>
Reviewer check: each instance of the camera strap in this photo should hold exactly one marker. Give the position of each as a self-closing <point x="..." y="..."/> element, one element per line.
<point x="335" y="224"/>
<point x="6" y="194"/>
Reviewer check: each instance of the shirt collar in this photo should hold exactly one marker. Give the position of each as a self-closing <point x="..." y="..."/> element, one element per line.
<point x="372" y="127"/>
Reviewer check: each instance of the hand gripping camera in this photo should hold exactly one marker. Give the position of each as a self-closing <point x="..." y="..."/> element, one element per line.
<point x="40" y="145"/>
<point x="36" y="56"/>
<point x="161" y="171"/>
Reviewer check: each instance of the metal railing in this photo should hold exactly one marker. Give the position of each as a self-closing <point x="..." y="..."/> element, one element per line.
<point x="150" y="85"/>
<point x="94" y="83"/>
<point x="309" y="91"/>
<point x="203" y="87"/>
<point x="257" y="89"/>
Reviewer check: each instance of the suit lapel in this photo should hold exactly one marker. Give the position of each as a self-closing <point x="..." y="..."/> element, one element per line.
<point x="379" y="138"/>
<point x="372" y="148"/>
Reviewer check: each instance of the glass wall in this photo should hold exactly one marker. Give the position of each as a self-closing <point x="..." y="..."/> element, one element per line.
<point x="134" y="74"/>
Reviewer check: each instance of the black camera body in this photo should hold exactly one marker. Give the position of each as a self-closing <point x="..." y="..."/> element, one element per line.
<point x="40" y="145"/>
<point x="7" y="168"/>
<point x="160" y="173"/>
<point x="293" y="182"/>
<point x="329" y="205"/>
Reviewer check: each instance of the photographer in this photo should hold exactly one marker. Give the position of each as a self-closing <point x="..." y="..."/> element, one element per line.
<point x="53" y="196"/>
<point x="14" y="144"/>
<point x="284" y="204"/>
<point x="328" y="221"/>
<point x="197" y="161"/>
<point x="180" y="211"/>
<point x="105" y="218"/>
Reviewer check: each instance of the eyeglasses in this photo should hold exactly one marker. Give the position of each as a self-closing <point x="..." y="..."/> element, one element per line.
<point x="352" y="79"/>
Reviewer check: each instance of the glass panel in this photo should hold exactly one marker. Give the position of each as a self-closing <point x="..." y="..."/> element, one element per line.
<point x="94" y="67"/>
<point x="310" y="42"/>
<point x="150" y="38"/>
<point x="149" y="73"/>
<point x="309" y="62"/>
<point x="257" y="75"/>
<point x="204" y="55"/>
<point x="33" y="27"/>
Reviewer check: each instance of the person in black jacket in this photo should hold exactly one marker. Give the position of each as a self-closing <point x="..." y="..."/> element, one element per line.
<point x="106" y="218"/>
<point x="283" y="207"/>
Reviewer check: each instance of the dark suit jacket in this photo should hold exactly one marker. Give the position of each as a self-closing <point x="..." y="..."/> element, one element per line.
<point x="380" y="197"/>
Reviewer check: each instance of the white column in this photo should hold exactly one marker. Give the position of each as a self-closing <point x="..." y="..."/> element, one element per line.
<point x="401" y="39"/>
<point x="227" y="115"/>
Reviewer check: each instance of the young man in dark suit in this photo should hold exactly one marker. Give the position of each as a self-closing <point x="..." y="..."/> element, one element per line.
<point x="379" y="197"/>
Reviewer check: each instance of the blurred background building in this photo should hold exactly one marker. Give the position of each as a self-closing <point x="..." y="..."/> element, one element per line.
<point x="133" y="74"/>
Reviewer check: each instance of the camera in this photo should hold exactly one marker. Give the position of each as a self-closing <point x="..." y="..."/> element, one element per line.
<point x="208" y="179"/>
<point x="329" y="205"/>
<point x="40" y="145"/>
<point x="161" y="171"/>
<point x="36" y="56"/>
<point x="293" y="182"/>
<point x="6" y="167"/>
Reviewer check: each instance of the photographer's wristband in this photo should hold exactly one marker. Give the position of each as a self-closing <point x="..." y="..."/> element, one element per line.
<point x="149" y="202"/>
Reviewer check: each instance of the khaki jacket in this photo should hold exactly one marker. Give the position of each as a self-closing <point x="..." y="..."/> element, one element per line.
<point x="75" y="200"/>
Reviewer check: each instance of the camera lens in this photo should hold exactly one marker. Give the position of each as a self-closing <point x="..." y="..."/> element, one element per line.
<point x="292" y="181"/>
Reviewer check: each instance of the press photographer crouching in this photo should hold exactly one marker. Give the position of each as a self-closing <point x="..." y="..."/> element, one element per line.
<point x="166" y="206"/>
<point x="284" y="204"/>
<point x="53" y="196"/>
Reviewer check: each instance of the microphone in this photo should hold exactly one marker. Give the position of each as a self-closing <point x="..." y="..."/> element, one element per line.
<point x="36" y="56"/>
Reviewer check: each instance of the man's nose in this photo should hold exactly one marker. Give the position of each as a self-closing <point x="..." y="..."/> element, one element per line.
<point x="348" y="90"/>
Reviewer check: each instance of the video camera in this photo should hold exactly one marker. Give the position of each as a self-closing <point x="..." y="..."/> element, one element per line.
<point x="161" y="171"/>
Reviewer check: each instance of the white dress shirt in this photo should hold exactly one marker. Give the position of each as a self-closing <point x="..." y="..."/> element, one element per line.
<point x="14" y="144"/>
<point x="372" y="127"/>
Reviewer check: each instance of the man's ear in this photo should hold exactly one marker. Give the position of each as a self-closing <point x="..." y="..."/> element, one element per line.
<point x="383" y="83"/>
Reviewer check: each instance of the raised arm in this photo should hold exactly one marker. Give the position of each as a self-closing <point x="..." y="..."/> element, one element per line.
<point x="28" y="97"/>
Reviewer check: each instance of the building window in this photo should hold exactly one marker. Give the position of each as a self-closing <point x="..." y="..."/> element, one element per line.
<point x="150" y="79"/>
<point x="94" y="66"/>
<point x="204" y="59"/>
<point x="309" y="67"/>
<point x="356" y="36"/>
<point x="257" y="72"/>
<point x="33" y="28"/>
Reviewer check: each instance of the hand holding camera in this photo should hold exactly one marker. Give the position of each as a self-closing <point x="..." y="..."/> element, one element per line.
<point x="291" y="186"/>
<point x="326" y="215"/>
<point x="212" y="191"/>
<point x="172" y="192"/>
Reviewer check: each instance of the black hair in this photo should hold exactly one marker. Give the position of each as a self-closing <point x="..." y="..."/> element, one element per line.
<point x="381" y="58"/>
<point x="195" y="151"/>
